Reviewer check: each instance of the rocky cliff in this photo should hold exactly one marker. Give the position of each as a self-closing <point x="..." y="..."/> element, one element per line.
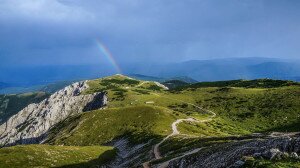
<point x="31" y="124"/>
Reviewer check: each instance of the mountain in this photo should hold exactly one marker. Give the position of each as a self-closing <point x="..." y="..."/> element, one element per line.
<point x="134" y="123"/>
<point x="226" y="69"/>
<point x="146" y="78"/>
<point x="275" y="70"/>
<point x="190" y="71"/>
<point x="31" y="124"/>
<point x="13" y="103"/>
<point x="173" y="84"/>
<point x="185" y="79"/>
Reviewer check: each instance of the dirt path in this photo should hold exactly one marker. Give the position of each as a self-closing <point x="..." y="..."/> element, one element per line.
<point x="141" y="83"/>
<point x="176" y="132"/>
<point x="166" y="163"/>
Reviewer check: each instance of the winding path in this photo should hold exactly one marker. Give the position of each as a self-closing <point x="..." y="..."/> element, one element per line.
<point x="176" y="132"/>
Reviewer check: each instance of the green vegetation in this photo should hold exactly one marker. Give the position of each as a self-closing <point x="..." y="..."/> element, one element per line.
<point x="11" y="104"/>
<point x="139" y="124"/>
<point x="283" y="163"/>
<point x="172" y="84"/>
<point x="54" y="156"/>
<point x="109" y="83"/>
<point x="257" y="83"/>
<point x="256" y="110"/>
<point x="242" y="107"/>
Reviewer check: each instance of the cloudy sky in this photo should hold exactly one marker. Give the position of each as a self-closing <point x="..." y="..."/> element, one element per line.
<point x="51" y="32"/>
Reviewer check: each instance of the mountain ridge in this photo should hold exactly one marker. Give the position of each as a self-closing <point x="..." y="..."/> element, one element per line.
<point x="32" y="123"/>
<point x="200" y="70"/>
<point x="141" y="114"/>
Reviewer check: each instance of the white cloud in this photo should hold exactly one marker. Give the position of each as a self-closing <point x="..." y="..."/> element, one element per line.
<point x="52" y="10"/>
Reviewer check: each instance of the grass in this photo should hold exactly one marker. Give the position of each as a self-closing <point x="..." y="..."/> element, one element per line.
<point x="284" y="163"/>
<point x="255" y="110"/>
<point x="54" y="156"/>
<point x="242" y="107"/>
<point x="110" y="83"/>
<point x="139" y="123"/>
<point x="257" y="83"/>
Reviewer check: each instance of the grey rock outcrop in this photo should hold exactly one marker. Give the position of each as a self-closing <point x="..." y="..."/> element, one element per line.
<point x="272" y="153"/>
<point x="294" y="155"/>
<point x="31" y="124"/>
<point x="227" y="155"/>
<point x="238" y="163"/>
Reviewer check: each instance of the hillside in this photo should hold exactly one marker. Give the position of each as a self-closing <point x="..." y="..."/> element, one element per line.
<point x="150" y="125"/>
<point x="173" y="84"/>
<point x="11" y="104"/>
<point x="138" y="123"/>
<point x="54" y="156"/>
<point x="266" y="100"/>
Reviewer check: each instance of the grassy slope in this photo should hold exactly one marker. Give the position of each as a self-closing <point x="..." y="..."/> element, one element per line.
<point x="252" y="109"/>
<point x="240" y="110"/>
<point x="11" y="104"/>
<point x="262" y="107"/>
<point x="54" y="156"/>
<point x="98" y="127"/>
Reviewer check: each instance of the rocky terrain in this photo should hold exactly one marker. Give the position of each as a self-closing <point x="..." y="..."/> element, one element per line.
<point x="235" y="154"/>
<point x="13" y="103"/>
<point x="31" y="124"/>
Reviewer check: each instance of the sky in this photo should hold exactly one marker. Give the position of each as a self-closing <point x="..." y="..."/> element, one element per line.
<point x="75" y="32"/>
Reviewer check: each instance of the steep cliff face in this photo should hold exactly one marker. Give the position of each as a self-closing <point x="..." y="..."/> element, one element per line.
<point x="31" y="124"/>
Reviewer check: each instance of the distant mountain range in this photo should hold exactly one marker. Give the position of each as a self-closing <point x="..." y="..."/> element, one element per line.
<point x="226" y="69"/>
<point x="185" y="79"/>
<point x="18" y="78"/>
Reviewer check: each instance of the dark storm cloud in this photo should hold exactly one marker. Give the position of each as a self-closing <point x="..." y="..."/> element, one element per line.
<point x="64" y="31"/>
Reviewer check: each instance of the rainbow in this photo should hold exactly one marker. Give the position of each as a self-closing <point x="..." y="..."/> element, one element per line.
<point x="105" y="51"/>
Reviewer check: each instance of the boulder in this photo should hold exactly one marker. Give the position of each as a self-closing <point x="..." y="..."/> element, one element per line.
<point x="273" y="153"/>
<point x="294" y="155"/>
<point x="238" y="163"/>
